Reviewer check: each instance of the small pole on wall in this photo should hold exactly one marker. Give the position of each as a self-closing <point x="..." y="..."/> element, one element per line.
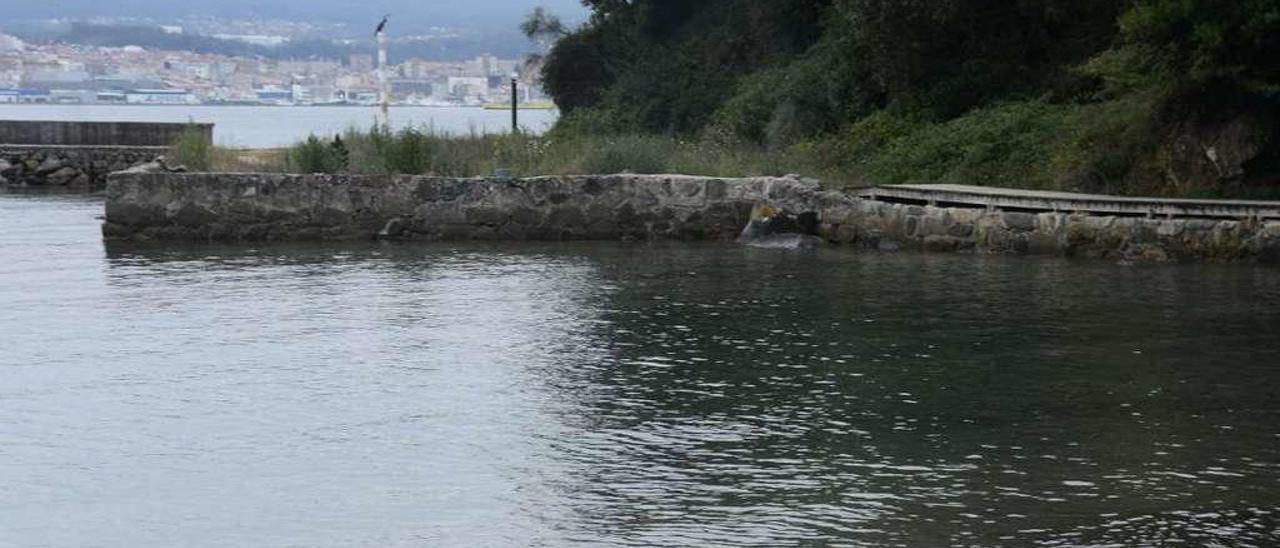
<point x="384" y="95"/>
<point x="515" y="109"/>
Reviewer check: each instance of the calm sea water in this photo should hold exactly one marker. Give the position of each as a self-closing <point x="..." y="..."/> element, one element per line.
<point x="623" y="395"/>
<point x="261" y="127"/>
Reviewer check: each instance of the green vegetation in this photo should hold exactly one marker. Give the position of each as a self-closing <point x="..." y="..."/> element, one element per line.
<point x="425" y="152"/>
<point x="1163" y="97"/>
<point x="1172" y="97"/>
<point x="191" y="149"/>
<point x="316" y="156"/>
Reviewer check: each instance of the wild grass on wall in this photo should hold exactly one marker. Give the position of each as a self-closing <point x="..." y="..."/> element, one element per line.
<point x="422" y="151"/>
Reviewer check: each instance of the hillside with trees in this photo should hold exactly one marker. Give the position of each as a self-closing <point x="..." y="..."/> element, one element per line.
<point x="1166" y="97"/>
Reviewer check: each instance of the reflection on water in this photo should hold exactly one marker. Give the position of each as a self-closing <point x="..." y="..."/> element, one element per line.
<point x="604" y="394"/>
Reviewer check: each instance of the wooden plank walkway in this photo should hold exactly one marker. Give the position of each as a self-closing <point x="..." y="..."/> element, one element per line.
<point x="1068" y="202"/>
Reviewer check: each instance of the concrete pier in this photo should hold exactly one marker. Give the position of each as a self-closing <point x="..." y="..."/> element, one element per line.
<point x="1040" y="201"/>
<point x="240" y="207"/>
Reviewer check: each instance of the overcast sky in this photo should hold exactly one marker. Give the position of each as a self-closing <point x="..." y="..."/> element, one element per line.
<point x="417" y="12"/>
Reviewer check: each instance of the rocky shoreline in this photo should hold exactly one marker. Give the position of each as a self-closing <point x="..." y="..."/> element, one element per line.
<point x="255" y="207"/>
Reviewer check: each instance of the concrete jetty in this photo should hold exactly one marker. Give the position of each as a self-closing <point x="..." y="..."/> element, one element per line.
<point x="244" y="207"/>
<point x="1042" y="201"/>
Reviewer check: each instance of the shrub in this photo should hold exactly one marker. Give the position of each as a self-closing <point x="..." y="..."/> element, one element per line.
<point x="409" y="151"/>
<point x="631" y="154"/>
<point x="191" y="149"/>
<point x="316" y="156"/>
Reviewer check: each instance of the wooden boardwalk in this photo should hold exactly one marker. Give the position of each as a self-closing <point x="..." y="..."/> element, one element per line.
<point x="1040" y="201"/>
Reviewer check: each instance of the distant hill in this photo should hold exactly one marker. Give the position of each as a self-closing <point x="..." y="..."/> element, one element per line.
<point x="505" y="43"/>
<point x="410" y="13"/>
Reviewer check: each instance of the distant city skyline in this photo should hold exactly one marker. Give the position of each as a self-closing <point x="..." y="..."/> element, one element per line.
<point x="411" y="13"/>
<point x="454" y="52"/>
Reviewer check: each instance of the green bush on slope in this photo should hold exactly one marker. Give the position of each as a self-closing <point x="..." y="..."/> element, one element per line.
<point x="1088" y="95"/>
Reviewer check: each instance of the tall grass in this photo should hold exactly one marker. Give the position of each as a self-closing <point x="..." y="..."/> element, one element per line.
<point x="424" y="151"/>
<point x="192" y="149"/>
<point x="251" y="160"/>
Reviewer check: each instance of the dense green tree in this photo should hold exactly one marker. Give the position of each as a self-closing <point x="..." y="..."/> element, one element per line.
<point x="1202" y="39"/>
<point x="947" y="56"/>
<point x="1096" y="94"/>
<point x="667" y="65"/>
<point x="579" y="70"/>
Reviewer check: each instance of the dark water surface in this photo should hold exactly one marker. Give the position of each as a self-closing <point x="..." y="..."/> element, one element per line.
<point x="608" y="394"/>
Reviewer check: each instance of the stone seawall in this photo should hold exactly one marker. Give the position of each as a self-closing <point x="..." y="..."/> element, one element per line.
<point x="78" y="167"/>
<point x="276" y="207"/>
<point x="234" y="207"/>
<point x="96" y="134"/>
<point x="883" y="225"/>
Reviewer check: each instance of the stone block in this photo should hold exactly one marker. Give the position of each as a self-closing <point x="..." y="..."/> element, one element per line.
<point x="960" y="230"/>
<point x="965" y="215"/>
<point x="935" y="223"/>
<point x="911" y="226"/>
<point x="62" y="177"/>
<point x="1168" y="229"/>
<point x="50" y="164"/>
<point x="1018" y="221"/>
<point x="486" y="215"/>
<point x="844" y="233"/>
<point x="566" y="216"/>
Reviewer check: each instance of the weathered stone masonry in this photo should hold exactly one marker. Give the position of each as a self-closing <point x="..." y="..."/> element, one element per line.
<point x="888" y="225"/>
<point x="234" y="207"/>
<point x="79" y="167"/>
<point x="276" y="207"/>
<point x="79" y="155"/>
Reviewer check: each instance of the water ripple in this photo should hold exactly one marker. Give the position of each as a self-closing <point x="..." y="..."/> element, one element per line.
<point x="623" y="395"/>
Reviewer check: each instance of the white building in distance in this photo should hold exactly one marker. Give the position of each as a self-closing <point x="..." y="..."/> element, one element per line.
<point x="10" y="44"/>
<point x="160" y="97"/>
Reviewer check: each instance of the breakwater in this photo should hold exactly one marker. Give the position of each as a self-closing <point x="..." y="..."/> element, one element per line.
<point x="235" y="207"/>
<point x="96" y="134"/>
<point x="79" y="167"/>
<point x="79" y="155"/>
